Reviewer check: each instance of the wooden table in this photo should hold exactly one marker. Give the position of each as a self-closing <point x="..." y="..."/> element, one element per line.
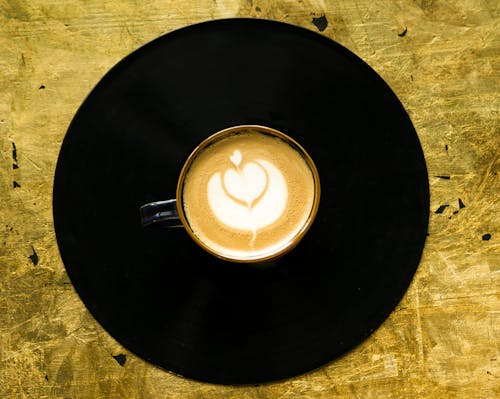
<point x="442" y="60"/>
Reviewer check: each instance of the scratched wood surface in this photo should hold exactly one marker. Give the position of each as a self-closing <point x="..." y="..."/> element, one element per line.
<point x="442" y="60"/>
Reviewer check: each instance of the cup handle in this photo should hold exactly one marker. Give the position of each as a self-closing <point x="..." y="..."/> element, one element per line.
<point x="160" y="214"/>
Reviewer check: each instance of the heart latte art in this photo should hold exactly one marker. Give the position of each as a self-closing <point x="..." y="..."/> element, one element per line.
<point x="248" y="194"/>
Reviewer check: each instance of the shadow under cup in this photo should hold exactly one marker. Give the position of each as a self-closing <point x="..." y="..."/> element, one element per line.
<point x="245" y="194"/>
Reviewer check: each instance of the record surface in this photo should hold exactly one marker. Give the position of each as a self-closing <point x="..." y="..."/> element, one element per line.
<point x="162" y="296"/>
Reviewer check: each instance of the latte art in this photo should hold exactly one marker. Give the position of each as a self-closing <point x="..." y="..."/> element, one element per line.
<point x="248" y="193"/>
<point x="248" y="196"/>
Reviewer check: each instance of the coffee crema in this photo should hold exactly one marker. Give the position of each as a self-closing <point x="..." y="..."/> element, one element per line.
<point x="248" y="193"/>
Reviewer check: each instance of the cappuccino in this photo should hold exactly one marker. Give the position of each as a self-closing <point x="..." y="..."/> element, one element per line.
<point x="248" y="193"/>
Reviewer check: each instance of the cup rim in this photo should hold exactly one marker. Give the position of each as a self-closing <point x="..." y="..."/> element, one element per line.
<point x="289" y="245"/>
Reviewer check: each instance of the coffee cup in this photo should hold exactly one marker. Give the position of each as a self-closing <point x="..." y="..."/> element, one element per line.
<point x="245" y="194"/>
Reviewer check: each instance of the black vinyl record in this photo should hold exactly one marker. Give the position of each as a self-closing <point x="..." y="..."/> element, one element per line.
<point x="174" y="305"/>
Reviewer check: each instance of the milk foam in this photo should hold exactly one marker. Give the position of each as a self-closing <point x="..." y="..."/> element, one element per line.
<point x="249" y="196"/>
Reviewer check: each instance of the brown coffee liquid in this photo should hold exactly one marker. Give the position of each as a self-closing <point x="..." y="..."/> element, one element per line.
<point x="248" y="195"/>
